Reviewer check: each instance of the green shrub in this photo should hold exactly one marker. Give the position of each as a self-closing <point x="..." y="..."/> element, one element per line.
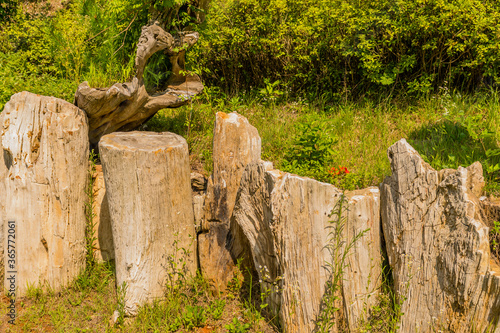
<point x="345" y="47"/>
<point x="311" y="148"/>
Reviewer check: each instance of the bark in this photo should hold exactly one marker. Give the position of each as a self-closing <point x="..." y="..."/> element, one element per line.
<point x="147" y="179"/>
<point x="43" y="177"/>
<point x="125" y="106"/>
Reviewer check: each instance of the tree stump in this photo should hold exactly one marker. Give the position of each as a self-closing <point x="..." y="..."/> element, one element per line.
<point x="147" y="177"/>
<point x="286" y="219"/>
<point x="43" y="176"/>
<point x="438" y="246"/>
<point x="236" y="143"/>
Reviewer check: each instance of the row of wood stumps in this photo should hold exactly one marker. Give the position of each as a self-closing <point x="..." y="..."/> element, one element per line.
<point x="44" y="178"/>
<point x="274" y="220"/>
<point x="283" y="225"/>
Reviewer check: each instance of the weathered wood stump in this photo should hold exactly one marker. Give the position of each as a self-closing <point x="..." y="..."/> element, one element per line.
<point x="236" y="143"/>
<point x="438" y="247"/>
<point x="43" y="176"/>
<point x="147" y="178"/>
<point x="286" y="221"/>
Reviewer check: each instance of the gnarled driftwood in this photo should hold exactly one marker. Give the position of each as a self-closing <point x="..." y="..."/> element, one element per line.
<point x="125" y="106"/>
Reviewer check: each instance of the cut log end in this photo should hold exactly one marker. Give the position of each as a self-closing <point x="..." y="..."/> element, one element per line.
<point x="143" y="141"/>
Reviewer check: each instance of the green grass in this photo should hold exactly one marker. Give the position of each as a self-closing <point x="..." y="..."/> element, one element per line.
<point x="447" y="130"/>
<point x="87" y="305"/>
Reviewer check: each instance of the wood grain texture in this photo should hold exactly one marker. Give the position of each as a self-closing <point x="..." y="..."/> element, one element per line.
<point x="286" y="219"/>
<point x="43" y="176"/>
<point x="125" y="106"/>
<point x="236" y="143"/>
<point x="147" y="177"/>
<point x="438" y="246"/>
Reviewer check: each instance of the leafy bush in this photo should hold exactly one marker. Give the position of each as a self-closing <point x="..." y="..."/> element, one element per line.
<point x="311" y="149"/>
<point x="7" y="9"/>
<point x="343" y="47"/>
<point x="86" y="40"/>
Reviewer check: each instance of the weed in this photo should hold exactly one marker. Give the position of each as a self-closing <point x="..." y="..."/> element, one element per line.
<point x="236" y="281"/>
<point x="339" y="249"/>
<point x="36" y="292"/>
<point x="495" y="239"/>
<point x="216" y="308"/>
<point x="311" y="149"/>
<point x="236" y="326"/>
<point x="386" y="314"/>
<point x="121" y="292"/>
<point x="194" y="316"/>
<point x="177" y="266"/>
<point x="271" y="92"/>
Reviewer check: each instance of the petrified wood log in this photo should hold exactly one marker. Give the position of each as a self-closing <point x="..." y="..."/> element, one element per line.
<point x="43" y="175"/>
<point x="149" y="196"/>
<point x="286" y="221"/>
<point x="438" y="247"/>
<point x="125" y="106"/>
<point x="236" y="143"/>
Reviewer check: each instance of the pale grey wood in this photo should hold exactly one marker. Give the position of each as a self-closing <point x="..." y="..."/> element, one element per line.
<point x="43" y="177"/>
<point x="286" y="221"/>
<point x="438" y="246"/>
<point x="147" y="177"/>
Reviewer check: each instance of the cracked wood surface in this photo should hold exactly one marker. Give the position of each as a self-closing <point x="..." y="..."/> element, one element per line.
<point x="438" y="246"/>
<point x="43" y="176"/>
<point x="148" y="186"/>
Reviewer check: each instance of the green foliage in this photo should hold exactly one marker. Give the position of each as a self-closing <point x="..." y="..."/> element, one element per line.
<point x="86" y="40"/>
<point x="495" y="239"/>
<point x="121" y="292"/>
<point x="30" y="40"/>
<point x="311" y="148"/>
<point x="462" y="136"/>
<point x="386" y="315"/>
<point x="194" y="316"/>
<point x="7" y="10"/>
<point x="271" y="92"/>
<point x="15" y="78"/>
<point x="237" y="326"/>
<point x="216" y="308"/>
<point x="344" y="48"/>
